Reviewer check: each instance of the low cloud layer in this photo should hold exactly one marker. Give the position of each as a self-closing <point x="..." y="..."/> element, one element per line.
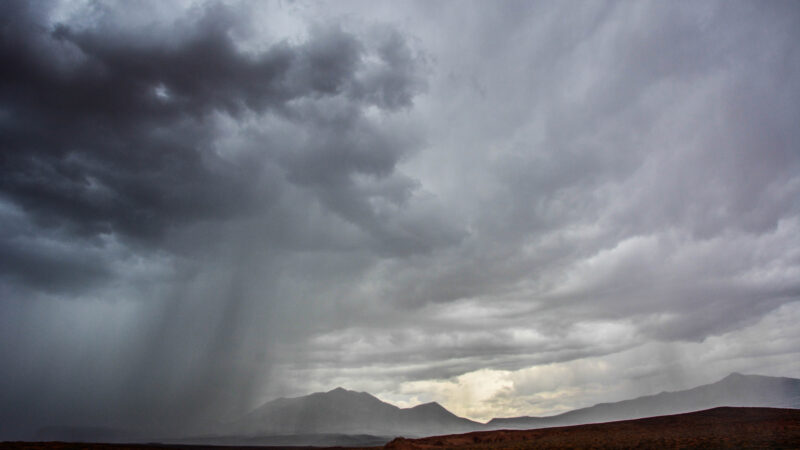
<point x="510" y="208"/>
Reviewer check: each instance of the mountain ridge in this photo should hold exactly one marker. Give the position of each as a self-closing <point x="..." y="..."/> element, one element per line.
<point x="342" y="417"/>
<point x="735" y="389"/>
<point x="721" y="427"/>
<point x="349" y="412"/>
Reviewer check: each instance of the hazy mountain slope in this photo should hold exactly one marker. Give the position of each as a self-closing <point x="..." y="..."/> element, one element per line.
<point x="347" y="418"/>
<point x="733" y="390"/>
<point x="347" y="412"/>
<point x="718" y="428"/>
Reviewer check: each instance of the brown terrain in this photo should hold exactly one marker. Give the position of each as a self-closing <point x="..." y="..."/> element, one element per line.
<point x="726" y="427"/>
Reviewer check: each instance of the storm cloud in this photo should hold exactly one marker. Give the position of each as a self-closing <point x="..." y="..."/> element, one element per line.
<point x="510" y="208"/>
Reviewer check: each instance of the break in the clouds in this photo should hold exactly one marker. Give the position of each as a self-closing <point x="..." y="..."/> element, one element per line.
<point x="507" y="207"/>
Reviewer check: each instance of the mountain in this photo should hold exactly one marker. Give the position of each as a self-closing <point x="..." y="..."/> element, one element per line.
<point x="734" y="390"/>
<point x="718" y="428"/>
<point x="347" y="412"/>
<point x="357" y="419"/>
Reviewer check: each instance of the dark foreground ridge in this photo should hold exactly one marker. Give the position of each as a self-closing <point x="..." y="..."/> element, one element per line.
<point x="717" y="428"/>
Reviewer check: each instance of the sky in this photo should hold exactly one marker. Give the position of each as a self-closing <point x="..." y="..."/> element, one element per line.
<point x="511" y="208"/>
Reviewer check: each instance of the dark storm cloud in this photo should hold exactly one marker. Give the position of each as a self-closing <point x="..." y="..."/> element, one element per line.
<point x="168" y="175"/>
<point x="107" y="132"/>
<point x="51" y="269"/>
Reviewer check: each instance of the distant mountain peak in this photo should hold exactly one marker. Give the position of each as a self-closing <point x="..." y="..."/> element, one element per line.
<point x="736" y="378"/>
<point x="433" y="409"/>
<point x="342" y="394"/>
<point x="734" y="375"/>
<point x="430" y="405"/>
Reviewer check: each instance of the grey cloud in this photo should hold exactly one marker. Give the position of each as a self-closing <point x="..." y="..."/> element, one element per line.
<point x="59" y="269"/>
<point x="220" y="167"/>
<point x="664" y="123"/>
<point x="475" y="186"/>
<point x="116" y="140"/>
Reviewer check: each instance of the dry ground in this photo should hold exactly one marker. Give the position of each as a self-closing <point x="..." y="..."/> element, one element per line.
<point x="732" y="428"/>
